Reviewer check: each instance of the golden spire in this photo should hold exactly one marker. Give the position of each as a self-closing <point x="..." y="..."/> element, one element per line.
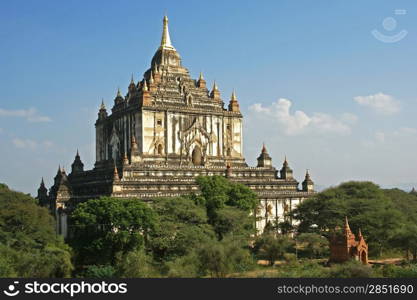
<point x="166" y="40"/>
<point x="102" y="106"/>
<point x="215" y="88"/>
<point x="151" y="78"/>
<point x="145" y="86"/>
<point x="201" y="76"/>
<point x="233" y="98"/>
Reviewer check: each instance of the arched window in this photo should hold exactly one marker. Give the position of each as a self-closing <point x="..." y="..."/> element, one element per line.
<point x="160" y="149"/>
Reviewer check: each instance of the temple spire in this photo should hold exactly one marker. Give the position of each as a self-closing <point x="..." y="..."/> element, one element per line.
<point x="233" y="97"/>
<point x="102" y="106"/>
<point x="166" y="40"/>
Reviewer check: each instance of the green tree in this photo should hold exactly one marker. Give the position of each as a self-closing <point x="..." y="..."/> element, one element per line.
<point x="102" y="228"/>
<point x="366" y="205"/>
<point x="272" y="247"/>
<point x="228" y="205"/>
<point x="182" y="227"/>
<point x="312" y="245"/>
<point x="29" y="246"/>
<point x="221" y="258"/>
<point x="351" y="269"/>
<point x="136" y="264"/>
<point x="406" y="239"/>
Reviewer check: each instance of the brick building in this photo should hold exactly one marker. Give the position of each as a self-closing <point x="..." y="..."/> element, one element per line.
<point x="345" y="246"/>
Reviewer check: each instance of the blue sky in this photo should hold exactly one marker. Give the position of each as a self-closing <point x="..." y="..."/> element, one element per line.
<point x="312" y="81"/>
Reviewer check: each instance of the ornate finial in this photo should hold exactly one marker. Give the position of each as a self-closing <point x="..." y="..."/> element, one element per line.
<point x="132" y="81"/>
<point x="346" y="223"/>
<point x="201" y="76"/>
<point x="215" y="88"/>
<point x="166" y="40"/>
<point x="359" y="233"/>
<point x="145" y="86"/>
<point x="102" y="106"/>
<point x="118" y="93"/>
<point x="78" y="154"/>
<point x="115" y="173"/>
<point x="151" y="77"/>
<point x="233" y="97"/>
<point x="263" y="148"/>
<point x="42" y="182"/>
<point x="125" y="160"/>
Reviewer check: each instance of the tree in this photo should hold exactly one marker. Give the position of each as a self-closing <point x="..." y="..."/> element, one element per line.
<point x="217" y="191"/>
<point x="406" y="239"/>
<point x="136" y="264"/>
<point x="182" y="227"/>
<point x="366" y="205"/>
<point x="228" y="205"/>
<point x="272" y="247"/>
<point x="29" y="246"/>
<point x="312" y="245"/>
<point x="232" y="221"/>
<point x="220" y="258"/>
<point x="102" y="228"/>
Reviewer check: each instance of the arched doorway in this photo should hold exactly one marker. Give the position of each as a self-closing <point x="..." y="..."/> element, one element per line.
<point x="160" y="149"/>
<point x="197" y="156"/>
<point x="363" y="257"/>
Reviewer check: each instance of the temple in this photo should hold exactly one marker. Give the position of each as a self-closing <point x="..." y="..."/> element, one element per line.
<point x="166" y="130"/>
<point x="346" y="246"/>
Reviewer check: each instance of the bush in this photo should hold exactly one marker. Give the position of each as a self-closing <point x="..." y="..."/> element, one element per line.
<point x="351" y="269"/>
<point x="136" y="264"/>
<point x="407" y="271"/>
<point x="271" y="247"/>
<point x="218" y="259"/>
<point x="94" y="271"/>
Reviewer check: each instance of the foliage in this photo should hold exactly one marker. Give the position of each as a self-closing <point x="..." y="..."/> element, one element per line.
<point x="366" y="205"/>
<point x="101" y="228"/>
<point x="94" y="271"/>
<point x="392" y="271"/>
<point x="136" y="264"/>
<point x="406" y="239"/>
<point x="351" y="269"/>
<point x="232" y="221"/>
<point x="312" y="245"/>
<point x="182" y="226"/>
<point x="220" y="258"/>
<point x="217" y="191"/>
<point x="228" y="205"/>
<point x="272" y="247"/>
<point x="29" y="246"/>
<point x="187" y="266"/>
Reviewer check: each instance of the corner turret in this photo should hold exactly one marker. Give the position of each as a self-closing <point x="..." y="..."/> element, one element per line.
<point x="264" y="160"/>
<point x="234" y="104"/>
<point x="77" y="166"/>
<point x="286" y="171"/>
<point x="308" y="184"/>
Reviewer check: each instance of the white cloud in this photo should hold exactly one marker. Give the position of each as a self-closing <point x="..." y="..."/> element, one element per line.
<point x="405" y="131"/>
<point x="31" y="114"/>
<point x="349" y="118"/>
<point x="299" y="122"/>
<point x="380" y="103"/>
<point x="380" y="136"/>
<point x="31" y="144"/>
